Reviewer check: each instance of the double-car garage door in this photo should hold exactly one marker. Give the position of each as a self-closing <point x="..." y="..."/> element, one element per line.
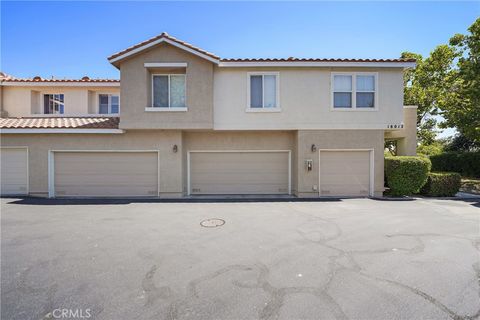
<point x="239" y="172"/>
<point x="104" y="174"/>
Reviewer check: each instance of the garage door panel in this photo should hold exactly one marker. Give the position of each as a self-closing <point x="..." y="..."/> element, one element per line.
<point x="105" y="180"/>
<point x="106" y="174"/>
<point x="14" y="171"/>
<point x="345" y="173"/>
<point x="239" y="172"/>
<point x="104" y="191"/>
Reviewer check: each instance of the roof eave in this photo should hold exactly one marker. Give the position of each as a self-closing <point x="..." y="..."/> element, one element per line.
<point x="364" y="64"/>
<point x="116" y="59"/>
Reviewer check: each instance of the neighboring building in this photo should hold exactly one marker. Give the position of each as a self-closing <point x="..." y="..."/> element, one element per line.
<point x="183" y="122"/>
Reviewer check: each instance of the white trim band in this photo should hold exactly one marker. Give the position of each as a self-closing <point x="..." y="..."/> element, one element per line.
<point x="165" y="64"/>
<point x="166" y="109"/>
<point x="262" y="110"/>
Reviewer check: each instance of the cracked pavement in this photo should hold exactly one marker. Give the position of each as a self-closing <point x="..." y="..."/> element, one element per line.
<point x="347" y="259"/>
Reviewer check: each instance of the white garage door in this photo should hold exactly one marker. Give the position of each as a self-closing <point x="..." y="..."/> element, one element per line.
<point x="14" y="171"/>
<point x="239" y="172"/>
<point x="344" y="173"/>
<point x="104" y="174"/>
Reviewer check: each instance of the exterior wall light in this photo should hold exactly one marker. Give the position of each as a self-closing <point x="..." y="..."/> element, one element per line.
<point x="314" y="148"/>
<point x="175" y="148"/>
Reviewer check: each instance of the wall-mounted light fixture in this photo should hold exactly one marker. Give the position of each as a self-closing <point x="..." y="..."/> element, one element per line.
<point x="175" y="148"/>
<point x="314" y="148"/>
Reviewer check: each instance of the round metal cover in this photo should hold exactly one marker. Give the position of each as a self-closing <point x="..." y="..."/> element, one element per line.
<point x="212" y="223"/>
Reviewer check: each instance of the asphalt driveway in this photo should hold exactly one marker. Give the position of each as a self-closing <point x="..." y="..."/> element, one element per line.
<point x="348" y="259"/>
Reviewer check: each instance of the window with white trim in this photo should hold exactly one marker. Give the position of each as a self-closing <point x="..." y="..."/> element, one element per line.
<point x="354" y="91"/>
<point x="108" y="104"/>
<point x="342" y="91"/>
<point x="263" y="90"/>
<point x="54" y="103"/>
<point x="365" y="93"/>
<point x="168" y="90"/>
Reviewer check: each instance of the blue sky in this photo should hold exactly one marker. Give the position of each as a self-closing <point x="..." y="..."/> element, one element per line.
<point x="73" y="39"/>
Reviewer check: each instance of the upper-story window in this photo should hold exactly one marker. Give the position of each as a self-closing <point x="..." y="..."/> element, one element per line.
<point x="53" y="103"/>
<point x="168" y="90"/>
<point x="108" y="104"/>
<point x="354" y="91"/>
<point x="263" y="90"/>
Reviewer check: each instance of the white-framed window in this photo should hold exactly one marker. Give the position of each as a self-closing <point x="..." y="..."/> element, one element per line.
<point x="354" y="91"/>
<point x="54" y="103"/>
<point x="168" y="91"/>
<point x="263" y="90"/>
<point x="108" y="103"/>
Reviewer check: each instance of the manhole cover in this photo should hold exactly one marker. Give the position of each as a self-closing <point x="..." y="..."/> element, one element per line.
<point x="212" y="223"/>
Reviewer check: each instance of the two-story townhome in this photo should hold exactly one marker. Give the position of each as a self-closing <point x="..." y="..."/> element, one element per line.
<point x="182" y="122"/>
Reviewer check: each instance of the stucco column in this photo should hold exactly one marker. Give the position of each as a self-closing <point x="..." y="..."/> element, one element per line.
<point x="407" y="146"/>
<point x="2" y="112"/>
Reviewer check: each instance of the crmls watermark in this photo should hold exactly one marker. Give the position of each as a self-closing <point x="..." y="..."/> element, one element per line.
<point x="65" y="313"/>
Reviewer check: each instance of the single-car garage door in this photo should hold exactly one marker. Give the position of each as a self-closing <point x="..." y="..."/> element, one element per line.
<point x="104" y="174"/>
<point x="14" y="171"/>
<point x="345" y="173"/>
<point x="239" y="172"/>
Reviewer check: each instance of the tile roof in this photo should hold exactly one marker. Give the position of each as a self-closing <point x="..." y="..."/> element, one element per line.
<point x="40" y="79"/>
<point x="291" y="59"/>
<point x="163" y="35"/>
<point x="60" y="123"/>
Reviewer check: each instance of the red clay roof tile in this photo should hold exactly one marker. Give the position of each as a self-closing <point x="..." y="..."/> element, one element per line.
<point x="40" y="79"/>
<point x="291" y="59"/>
<point x="166" y="36"/>
<point x="60" y="123"/>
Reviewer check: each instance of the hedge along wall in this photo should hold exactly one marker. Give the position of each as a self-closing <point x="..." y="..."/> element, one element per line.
<point x="465" y="163"/>
<point x="406" y="175"/>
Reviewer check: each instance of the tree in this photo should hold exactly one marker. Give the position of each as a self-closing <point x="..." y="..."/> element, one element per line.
<point x="428" y="86"/>
<point x="462" y="110"/>
<point x="462" y="143"/>
<point x="433" y="149"/>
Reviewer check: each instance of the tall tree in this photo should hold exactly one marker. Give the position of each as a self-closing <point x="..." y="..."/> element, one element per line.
<point x="463" y="108"/>
<point x="428" y="86"/>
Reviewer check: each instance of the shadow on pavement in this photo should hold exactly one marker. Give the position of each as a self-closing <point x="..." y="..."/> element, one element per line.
<point x="123" y="201"/>
<point x="394" y="199"/>
<point x="472" y="201"/>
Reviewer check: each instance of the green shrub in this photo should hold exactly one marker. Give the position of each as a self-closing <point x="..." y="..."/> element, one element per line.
<point x="442" y="184"/>
<point x="431" y="149"/>
<point x="406" y="175"/>
<point x="465" y="163"/>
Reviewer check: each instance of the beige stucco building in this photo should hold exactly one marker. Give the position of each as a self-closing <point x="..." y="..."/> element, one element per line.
<point x="182" y="122"/>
